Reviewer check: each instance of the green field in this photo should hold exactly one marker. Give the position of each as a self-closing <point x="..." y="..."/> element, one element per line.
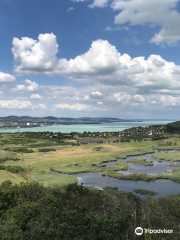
<point x="4" y="176"/>
<point x="68" y="159"/>
<point x="168" y="156"/>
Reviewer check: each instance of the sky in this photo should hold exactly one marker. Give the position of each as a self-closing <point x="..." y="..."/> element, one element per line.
<point x="90" y="58"/>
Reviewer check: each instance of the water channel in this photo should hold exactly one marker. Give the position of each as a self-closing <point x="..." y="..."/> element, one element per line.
<point x="163" y="187"/>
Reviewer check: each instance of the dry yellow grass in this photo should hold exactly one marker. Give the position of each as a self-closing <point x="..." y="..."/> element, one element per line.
<point x="65" y="156"/>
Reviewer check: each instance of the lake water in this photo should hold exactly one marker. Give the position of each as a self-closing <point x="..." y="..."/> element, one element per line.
<point x="104" y="127"/>
<point x="163" y="187"/>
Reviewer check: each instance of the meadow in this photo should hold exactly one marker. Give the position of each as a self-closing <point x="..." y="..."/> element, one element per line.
<point x="4" y="176"/>
<point x="67" y="157"/>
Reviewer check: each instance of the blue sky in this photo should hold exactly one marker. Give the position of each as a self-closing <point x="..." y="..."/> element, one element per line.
<point x="112" y="58"/>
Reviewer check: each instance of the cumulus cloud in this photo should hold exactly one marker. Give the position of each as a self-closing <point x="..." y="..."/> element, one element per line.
<point x="20" y="104"/>
<point x="99" y="3"/>
<point x="161" y="13"/>
<point x="30" y="87"/>
<point x="77" y="106"/>
<point x="15" y="104"/>
<point x="100" y="103"/>
<point x="36" y="96"/>
<point x="6" y="78"/>
<point x="35" y="56"/>
<point x="102" y="63"/>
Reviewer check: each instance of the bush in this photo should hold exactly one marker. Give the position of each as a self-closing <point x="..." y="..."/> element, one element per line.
<point x="14" y="169"/>
<point x="23" y="150"/>
<point x="46" y="150"/>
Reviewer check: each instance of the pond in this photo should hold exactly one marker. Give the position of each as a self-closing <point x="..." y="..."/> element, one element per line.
<point x="163" y="187"/>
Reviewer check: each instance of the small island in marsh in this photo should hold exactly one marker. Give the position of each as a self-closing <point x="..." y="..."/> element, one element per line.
<point x="145" y="192"/>
<point x="140" y="160"/>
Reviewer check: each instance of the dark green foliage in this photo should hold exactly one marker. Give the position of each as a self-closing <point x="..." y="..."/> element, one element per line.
<point x="31" y="211"/>
<point x="2" y="167"/>
<point x="14" y="169"/>
<point x="46" y="150"/>
<point x="23" y="150"/>
<point x="146" y="192"/>
<point x="173" y="127"/>
<point x="2" y="160"/>
<point x="35" y="212"/>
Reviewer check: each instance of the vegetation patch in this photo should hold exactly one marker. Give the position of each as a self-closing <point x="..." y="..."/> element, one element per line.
<point x="47" y="178"/>
<point x="2" y="160"/>
<point x="137" y="152"/>
<point x="142" y="161"/>
<point x="110" y="188"/>
<point x="174" y="164"/>
<point x="12" y="169"/>
<point x="145" y="192"/>
<point x="23" y="150"/>
<point x="46" y="150"/>
<point x="88" y="166"/>
<point x="168" y="156"/>
<point x="97" y="148"/>
<point x="173" y="176"/>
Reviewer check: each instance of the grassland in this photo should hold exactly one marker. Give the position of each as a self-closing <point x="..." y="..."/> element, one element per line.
<point x="75" y="159"/>
<point x="4" y="176"/>
<point x="168" y="156"/>
<point x="142" y="161"/>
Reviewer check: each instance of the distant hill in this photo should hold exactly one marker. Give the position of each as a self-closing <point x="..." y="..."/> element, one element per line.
<point x="173" y="127"/>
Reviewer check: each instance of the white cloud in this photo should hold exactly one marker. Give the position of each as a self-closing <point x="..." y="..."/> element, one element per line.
<point x="100" y="103"/>
<point x="36" y="96"/>
<point x="86" y="97"/>
<point x="20" y="104"/>
<point x="123" y="97"/>
<point x="34" y="56"/>
<point x="70" y="9"/>
<point x="159" y="100"/>
<point x="161" y="13"/>
<point x="97" y="93"/>
<point x="99" y="3"/>
<point x="6" y="78"/>
<point x="30" y="87"/>
<point x="15" y="104"/>
<point x="78" y="0"/>
<point x="77" y="106"/>
<point x="102" y="63"/>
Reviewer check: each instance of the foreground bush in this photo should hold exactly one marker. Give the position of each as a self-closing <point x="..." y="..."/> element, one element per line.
<point x="33" y="212"/>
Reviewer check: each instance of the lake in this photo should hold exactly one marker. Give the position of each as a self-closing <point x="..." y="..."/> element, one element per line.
<point x="163" y="187"/>
<point x="104" y="127"/>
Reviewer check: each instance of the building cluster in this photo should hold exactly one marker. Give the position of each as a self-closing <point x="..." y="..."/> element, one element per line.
<point x="151" y="130"/>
